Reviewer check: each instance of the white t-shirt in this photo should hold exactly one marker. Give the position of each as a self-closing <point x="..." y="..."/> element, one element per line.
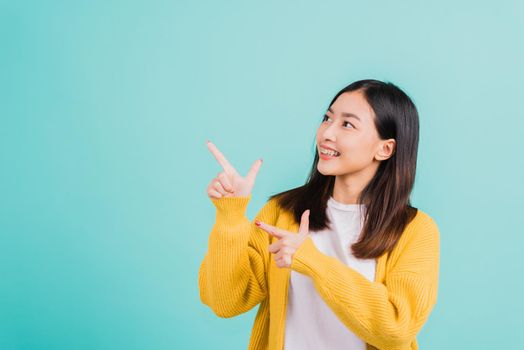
<point x="310" y="323"/>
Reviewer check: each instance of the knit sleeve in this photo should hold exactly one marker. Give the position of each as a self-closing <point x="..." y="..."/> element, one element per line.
<point x="232" y="277"/>
<point x="386" y="315"/>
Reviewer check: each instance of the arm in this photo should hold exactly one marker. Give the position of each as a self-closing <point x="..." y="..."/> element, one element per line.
<point x="386" y="315"/>
<point x="233" y="275"/>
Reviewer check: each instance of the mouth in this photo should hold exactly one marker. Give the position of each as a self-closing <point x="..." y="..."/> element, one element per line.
<point x="327" y="154"/>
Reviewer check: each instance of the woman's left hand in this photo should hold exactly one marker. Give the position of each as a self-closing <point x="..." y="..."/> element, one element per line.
<point x="288" y="242"/>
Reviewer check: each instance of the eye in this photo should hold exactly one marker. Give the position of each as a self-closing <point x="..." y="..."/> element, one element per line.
<point x="349" y="124"/>
<point x="326" y="116"/>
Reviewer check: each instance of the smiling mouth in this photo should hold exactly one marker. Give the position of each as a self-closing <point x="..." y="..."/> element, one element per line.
<point x="328" y="153"/>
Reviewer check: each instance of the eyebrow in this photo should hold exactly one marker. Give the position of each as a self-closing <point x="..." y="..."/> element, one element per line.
<point x="347" y="115"/>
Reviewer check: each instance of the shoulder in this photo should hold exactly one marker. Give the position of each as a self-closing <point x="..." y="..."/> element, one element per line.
<point x="424" y="221"/>
<point x="422" y="227"/>
<point x="421" y="230"/>
<point x="278" y="215"/>
<point x="418" y="249"/>
<point x="269" y="212"/>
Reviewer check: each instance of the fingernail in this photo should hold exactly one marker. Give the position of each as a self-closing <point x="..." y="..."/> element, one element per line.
<point x="257" y="222"/>
<point x="261" y="160"/>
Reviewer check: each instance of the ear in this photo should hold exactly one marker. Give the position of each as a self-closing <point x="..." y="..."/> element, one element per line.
<point x="386" y="149"/>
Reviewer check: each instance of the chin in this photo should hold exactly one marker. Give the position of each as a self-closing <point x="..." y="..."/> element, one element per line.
<point x="324" y="172"/>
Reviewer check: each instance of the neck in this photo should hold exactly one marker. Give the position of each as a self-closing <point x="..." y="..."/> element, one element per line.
<point x="348" y="187"/>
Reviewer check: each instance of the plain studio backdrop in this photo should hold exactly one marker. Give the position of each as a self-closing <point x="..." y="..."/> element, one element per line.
<point x="105" y="109"/>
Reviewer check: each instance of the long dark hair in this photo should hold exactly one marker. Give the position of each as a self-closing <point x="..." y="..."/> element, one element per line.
<point x="387" y="195"/>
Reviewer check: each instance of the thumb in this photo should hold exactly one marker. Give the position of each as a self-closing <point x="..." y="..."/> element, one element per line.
<point x="253" y="171"/>
<point x="304" y="223"/>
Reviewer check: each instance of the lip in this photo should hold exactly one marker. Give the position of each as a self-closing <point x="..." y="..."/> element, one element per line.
<point x="327" y="147"/>
<point x="325" y="156"/>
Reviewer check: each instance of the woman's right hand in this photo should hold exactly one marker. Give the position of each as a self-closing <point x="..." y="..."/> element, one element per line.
<point x="229" y="183"/>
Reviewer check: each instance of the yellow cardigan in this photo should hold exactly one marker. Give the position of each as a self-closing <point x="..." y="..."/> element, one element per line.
<point x="238" y="273"/>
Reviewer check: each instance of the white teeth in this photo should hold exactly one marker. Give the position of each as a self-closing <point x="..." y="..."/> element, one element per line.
<point x="329" y="152"/>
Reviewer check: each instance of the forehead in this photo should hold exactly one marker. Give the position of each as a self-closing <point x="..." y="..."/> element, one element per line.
<point x="353" y="102"/>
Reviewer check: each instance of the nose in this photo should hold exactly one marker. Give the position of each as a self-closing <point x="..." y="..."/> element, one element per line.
<point x="328" y="133"/>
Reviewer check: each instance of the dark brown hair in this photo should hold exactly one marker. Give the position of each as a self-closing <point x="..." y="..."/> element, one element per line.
<point x="387" y="195"/>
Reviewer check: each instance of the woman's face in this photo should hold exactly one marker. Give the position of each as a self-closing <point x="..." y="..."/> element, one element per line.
<point x="348" y="128"/>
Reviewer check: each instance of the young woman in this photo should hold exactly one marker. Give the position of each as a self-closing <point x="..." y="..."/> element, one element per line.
<point x="344" y="261"/>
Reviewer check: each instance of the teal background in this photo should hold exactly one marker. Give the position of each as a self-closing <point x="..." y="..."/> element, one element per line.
<point x="105" y="109"/>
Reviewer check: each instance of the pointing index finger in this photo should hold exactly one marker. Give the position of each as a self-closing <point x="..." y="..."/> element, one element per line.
<point x="228" y="168"/>
<point x="272" y="230"/>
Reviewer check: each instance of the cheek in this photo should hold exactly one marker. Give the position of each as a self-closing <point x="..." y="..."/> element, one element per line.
<point x="319" y="133"/>
<point x="358" y="151"/>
